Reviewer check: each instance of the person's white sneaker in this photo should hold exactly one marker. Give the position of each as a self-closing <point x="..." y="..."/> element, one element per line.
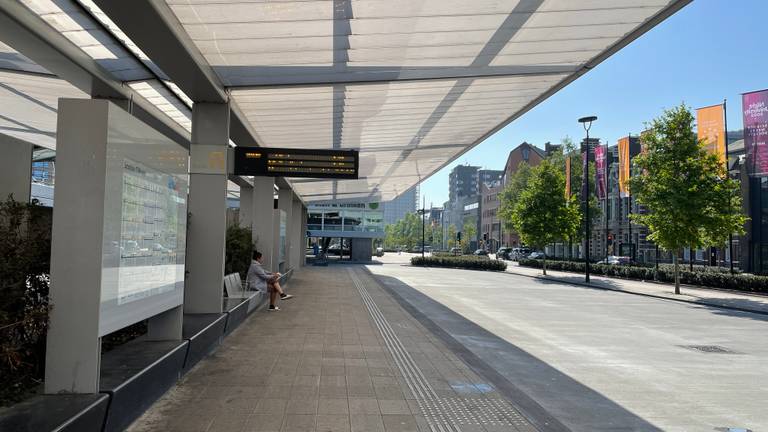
<point x="274" y="308"/>
<point x="286" y="297"/>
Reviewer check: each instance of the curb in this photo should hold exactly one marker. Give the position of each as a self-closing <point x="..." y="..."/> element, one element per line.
<point x="656" y="296"/>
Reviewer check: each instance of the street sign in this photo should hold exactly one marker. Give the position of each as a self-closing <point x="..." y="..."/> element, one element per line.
<point x="283" y="162"/>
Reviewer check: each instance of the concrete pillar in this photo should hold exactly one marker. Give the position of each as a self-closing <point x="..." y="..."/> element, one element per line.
<point x="276" y="240"/>
<point x="207" y="208"/>
<point x="246" y="206"/>
<point x="285" y="203"/>
<point x="362" y="249"/>
<point x="304" y="215"/>
<point x="264" y="233"/>
<point x="15" y="168"/>
<point x="297" y="236"/>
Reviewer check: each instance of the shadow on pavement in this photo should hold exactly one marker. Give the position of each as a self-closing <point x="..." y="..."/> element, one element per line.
<point x="550" y="399"/>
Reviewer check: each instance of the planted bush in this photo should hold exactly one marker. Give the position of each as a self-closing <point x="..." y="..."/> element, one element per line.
<point x="25" y="250"/>
<point x="713" y="277"/>
<point x="459" y="262"/>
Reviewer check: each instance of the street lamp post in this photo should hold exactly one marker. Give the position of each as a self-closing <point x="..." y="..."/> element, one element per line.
<point x="587" y="123"/>
<point x="423" y="220"/>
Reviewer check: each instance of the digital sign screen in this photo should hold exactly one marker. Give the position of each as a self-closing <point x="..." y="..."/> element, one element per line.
<point x="281" y="162"/>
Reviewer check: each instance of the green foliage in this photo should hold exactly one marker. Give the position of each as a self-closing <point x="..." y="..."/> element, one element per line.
<point x="468" y="232"/>
<point x="542" y="214"/>
<point x="406" y="231"/>
<point x="508" y="197"/>
<point x="451" y="236"/>
<point x="25" y="250"/>
<point x="459" y="262"/>
<point x="691" y="201"/>
<point x="239" y="250"/>
<point x="713" y="277"/>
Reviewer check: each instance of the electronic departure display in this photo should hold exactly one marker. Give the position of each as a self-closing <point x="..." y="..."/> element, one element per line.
<point x="283" y="162"/>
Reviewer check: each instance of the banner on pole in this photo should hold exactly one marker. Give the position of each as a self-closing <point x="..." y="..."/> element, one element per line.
<point x="600" y="164"/>
<point x="755" y="107"/>
<point x="624" y="167"/>
<point x="710" y="126"/>
<point x="567" y="176"/>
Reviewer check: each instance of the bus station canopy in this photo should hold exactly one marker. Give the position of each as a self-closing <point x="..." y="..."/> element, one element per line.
<point x="411" y="84"/>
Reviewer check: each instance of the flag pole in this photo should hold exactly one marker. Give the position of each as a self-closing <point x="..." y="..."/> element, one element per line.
<point x="605" y="196"/>
<point x="727" y="173"/>
<point x="629" y="199"/>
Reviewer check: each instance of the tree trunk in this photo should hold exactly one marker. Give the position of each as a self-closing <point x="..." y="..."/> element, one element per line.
<point x="677" y="271"/>
<point x="544" y="264"/>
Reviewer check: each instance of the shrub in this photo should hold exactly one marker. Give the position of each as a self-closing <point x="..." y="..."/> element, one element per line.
<point x="713" y="277"/>
<point x="25" y="251"/>
<point x="239" y="250"/>
<point x="459" y="262"/>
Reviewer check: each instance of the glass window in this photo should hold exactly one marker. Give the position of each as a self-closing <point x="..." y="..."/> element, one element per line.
<point x="353" y="220"/>
<point x="332" y="221"/>
<point x="374" y="221"/>
<point x="315" y="221"/>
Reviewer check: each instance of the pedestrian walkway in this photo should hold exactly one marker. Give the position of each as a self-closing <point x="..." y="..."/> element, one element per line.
<point x="703" y="296"/>
<point x="341" y="356"/>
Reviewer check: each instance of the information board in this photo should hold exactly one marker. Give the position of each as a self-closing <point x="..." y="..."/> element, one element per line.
<point x="283" y="162"/>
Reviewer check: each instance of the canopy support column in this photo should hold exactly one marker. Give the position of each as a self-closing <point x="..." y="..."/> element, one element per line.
<point x="207" y="208"/>
<point x="15" y="168"/>
<point x="263" y="208"/>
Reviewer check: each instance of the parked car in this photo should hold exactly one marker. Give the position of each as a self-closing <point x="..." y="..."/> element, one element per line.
<point x="615" y="260"/>
<point x="455" y="251"/>
<point x="519" y="252"/>
<point x="379" y="252"/>
<point x="503" y="253"/>
<point x="481" y="252"/>
<point x="536" y="255"/>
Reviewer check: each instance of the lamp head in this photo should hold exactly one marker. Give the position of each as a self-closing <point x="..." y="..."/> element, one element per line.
<point x="588" y="119"/>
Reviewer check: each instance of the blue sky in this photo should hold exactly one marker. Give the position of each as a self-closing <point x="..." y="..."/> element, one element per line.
<point x="710" y="50"/>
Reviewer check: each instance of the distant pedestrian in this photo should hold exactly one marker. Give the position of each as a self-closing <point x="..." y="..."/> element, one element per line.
<point x="266" y="282"/>
<point x="316" y="249"/>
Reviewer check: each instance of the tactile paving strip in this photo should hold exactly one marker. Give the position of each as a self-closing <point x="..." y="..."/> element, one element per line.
<point x="477" y="412"/>
<point x="442" y="413"/>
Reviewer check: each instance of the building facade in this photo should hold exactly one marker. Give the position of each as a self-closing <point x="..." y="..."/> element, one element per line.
<point x="396" y="209"/>
<point x="490" y="226"/>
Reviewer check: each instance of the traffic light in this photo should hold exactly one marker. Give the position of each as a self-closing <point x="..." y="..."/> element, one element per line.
<point x="458" y="236"/>
<point x="485" y="236"/>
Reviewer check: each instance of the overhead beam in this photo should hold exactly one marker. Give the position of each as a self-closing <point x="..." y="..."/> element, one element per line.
<point x="152" y="26"/>
<point x="244" y="77"/>
<point x="31" y="36"/>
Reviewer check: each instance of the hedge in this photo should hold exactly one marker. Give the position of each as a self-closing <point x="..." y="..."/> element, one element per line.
<point x="459" y="262"/>
<point x="467" y="256"/>
<point x="713" y="277"/>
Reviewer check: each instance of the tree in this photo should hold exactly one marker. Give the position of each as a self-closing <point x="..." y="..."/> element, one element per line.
<point x="511" y="193"/>
<point x="690" y="199"/>
<point x="468" y="232"/>
<point x="543" y="214"/>
<point x="451" y="235"/>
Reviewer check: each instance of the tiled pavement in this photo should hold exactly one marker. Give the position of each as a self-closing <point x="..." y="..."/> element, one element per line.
<point x="341" y="356"/>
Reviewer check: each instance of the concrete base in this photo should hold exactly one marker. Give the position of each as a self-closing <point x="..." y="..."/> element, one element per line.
<point x="362" y="249"/>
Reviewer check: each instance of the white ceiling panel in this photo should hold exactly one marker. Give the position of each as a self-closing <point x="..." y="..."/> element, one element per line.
<point x="411" y="84"/>
<point x="29" y="106"/>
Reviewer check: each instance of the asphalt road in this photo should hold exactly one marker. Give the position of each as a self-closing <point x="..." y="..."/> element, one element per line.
<point x="598" y="360"/>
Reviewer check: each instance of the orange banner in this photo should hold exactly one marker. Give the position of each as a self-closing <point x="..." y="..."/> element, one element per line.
<point x="710" y="125"/>
<point x="624" y="167"/>
<point x="567" y="176"/>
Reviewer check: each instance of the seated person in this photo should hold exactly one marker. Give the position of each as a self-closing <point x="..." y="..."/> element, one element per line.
<point x="266" y="282"/>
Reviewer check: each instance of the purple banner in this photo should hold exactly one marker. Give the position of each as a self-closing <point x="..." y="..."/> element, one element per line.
<point x="755" y="106"/>
<point x="600" y="168"/>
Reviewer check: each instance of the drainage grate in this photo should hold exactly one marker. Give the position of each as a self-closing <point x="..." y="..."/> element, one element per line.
<point x="709" y="349"/>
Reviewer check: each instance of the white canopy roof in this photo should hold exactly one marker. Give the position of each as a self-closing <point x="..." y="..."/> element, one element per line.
<point x="411" y="84"/>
